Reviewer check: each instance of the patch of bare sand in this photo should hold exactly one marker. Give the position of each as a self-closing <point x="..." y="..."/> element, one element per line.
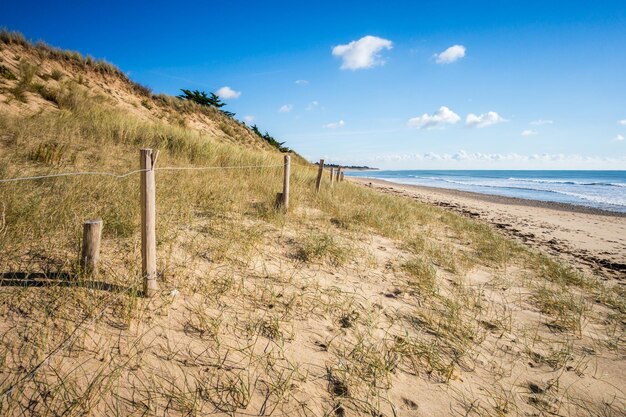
<point x="280" y="336"/>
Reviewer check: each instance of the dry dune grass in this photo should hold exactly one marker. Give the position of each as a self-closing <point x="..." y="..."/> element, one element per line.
<point x="353" y="303"/>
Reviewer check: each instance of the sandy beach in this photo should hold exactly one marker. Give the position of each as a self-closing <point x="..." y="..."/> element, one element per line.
<point x="590" y="239"/>
<point x="352" y="298"/>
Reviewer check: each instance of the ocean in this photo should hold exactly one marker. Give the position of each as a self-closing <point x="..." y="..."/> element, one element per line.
<point x="599" y="189"/>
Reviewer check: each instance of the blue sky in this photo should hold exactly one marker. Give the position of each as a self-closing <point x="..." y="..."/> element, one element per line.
<point x="527" y="84"/>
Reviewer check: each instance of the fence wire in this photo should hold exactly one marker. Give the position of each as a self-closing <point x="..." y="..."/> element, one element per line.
<point x="127" y="174"/>
<point x="83" y="324"/>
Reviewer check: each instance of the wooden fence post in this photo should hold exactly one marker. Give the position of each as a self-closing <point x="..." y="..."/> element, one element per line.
<point x="342" y="175"/>
<point x="338" y="173"/>
<point x="90" y="252"/>
<point x="148" y="222"/>
<point x="332" y="175"/>
<point x="318" y="181"/>
<point x="287" y="174"/>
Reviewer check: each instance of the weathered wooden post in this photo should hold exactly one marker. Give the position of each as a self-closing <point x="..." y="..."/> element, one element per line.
<point x="332" y="175"/>
<point x="286" y="176"/>
<point x="338" y="173"/>
<point x="90" y="252"/>
<point x="342" y="175"/>
<point x="318" y="181"/>
<point x="148" y="222"/>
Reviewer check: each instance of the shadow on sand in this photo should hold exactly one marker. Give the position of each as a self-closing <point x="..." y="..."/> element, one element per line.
<point x="56" y="279"/>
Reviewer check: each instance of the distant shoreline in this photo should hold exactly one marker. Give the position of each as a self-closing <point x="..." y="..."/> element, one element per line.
<point x="360" y="169"/>
<point x="349" y="168"/>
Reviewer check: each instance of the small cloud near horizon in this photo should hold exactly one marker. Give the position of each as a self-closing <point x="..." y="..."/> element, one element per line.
<point x="441" y="117"/>
<point x="313" y="105"/>
<point x="249" y="118"/>
<point x="334" y="125"/>
<point x="450" y="55"/>
<point x="462" y="155"/>
<point x="286" y="108"/>
<point x="484" y="120"/>
<point x="529" y="132"/>
<point x="622" y="122"/>
<point x="619" y="138"/>
<point x="363" y="53"/>
<point x="227" y="93"/>
<point x="301" y="82"/>
<point x="541" y="122"/>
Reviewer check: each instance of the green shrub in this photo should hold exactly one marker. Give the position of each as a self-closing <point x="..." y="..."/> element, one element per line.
<point x="56" y="74"/>
<point x="6" y="73"/>
<point x="46" y="93"/>
<point x="25" y="79"/>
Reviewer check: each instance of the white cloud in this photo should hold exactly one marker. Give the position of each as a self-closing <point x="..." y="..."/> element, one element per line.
<point x="248" y="119"/>
<point x="477" y="160"/>
<point x="286" y="108"/>
<point x="226" y="92"/>
<point x="541" y="122"/>
<point x="334" y="125"/>
<point x="442" y="116"/>
<point x="363" y="53"/>
<point x="453" y="53"/>
<point x="462" y="155"/>
<point x="484" y="120"/>
<point x="619" y="138"/>
<point x="622" y="122"/>
<point x="528" y="132"/>
<point x="302" y="82"/>
<point x="313" y="105"/>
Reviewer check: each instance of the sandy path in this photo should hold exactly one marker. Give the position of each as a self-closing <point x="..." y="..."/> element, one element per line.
<point x="590" y="239"/>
